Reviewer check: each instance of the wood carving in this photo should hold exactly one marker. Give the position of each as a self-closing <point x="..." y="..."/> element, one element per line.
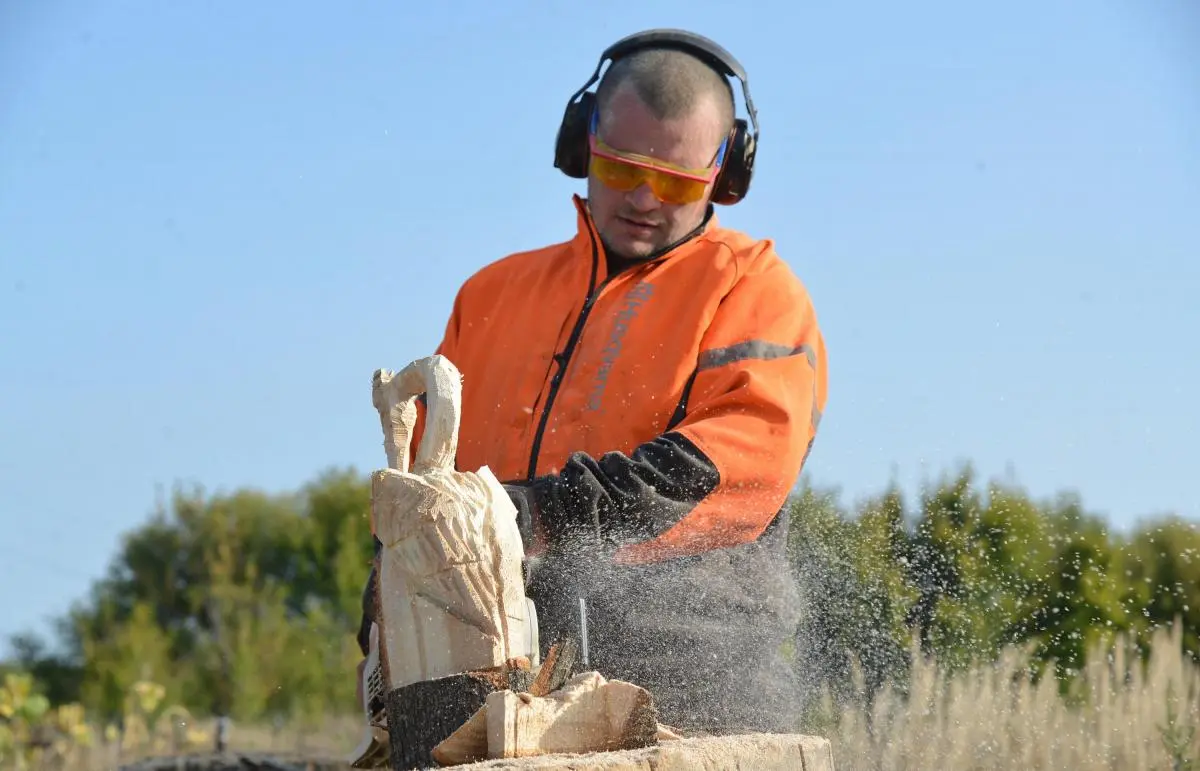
<point x="453" y="620"/>
<point x="588" y="714"/>
<point x="451" y="590"/>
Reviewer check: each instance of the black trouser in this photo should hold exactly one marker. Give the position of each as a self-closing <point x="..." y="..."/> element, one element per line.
<point x="702" y="634"/>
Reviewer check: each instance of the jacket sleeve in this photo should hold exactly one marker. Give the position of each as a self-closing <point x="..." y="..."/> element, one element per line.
<point x="724" y="466"/>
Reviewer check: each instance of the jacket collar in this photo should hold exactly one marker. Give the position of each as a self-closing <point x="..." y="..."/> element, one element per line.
<point x="587" y="235"/>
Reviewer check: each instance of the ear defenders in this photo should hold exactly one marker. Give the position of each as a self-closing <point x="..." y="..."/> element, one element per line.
<point x="571" y="153"/>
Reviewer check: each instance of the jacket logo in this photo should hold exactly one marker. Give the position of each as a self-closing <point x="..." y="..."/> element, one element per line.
<point x="634" y="300"/>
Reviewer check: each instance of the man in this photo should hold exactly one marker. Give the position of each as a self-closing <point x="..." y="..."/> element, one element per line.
<point x="649" y="390"/>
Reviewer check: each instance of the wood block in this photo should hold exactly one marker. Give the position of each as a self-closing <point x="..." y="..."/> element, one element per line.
<point x="761" y="752"/>
<point x="469" y="743"/>
<point x="557" y="668"/>
<point x="422" y="715"/>
<point x="588" y="714"/>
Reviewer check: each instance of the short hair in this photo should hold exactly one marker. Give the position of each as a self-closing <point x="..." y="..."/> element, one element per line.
<point x="670" y="83"/>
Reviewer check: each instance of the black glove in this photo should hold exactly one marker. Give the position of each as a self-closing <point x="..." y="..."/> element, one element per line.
<point x="522" y="498"/>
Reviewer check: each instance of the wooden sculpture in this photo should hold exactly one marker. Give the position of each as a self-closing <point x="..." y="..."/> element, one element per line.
<point x="453" y="621"/>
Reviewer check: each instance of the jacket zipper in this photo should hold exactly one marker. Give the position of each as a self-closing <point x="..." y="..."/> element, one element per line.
<point x="564" y="358"/>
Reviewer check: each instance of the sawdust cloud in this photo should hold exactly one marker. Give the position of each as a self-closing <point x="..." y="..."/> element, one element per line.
<point x="705" y="634"/>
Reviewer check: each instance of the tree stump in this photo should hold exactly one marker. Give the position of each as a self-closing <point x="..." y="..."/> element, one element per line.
<point x="422" y="714"/>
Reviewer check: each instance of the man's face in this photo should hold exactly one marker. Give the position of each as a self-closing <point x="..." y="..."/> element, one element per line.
<point x="635" y="224"/>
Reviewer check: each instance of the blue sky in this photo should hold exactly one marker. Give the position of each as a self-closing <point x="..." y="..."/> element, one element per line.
<point x="217" y="219"/>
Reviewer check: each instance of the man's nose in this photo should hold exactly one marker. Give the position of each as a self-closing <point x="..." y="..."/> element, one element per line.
<point x="643" y="199"/>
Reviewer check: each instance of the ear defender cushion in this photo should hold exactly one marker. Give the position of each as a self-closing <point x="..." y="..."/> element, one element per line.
<point x="734" y="180"/>
<point x="571" y="153"/>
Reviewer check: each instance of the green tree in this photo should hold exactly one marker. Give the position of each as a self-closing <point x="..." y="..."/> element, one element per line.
<point x="57" y="677"/>
<point x="983" y="560"/>
<point x="1162" y="565"/>
<point x="854" y="591"/>
<point x="243" y="603"/>
<point x="124" y="653"/>
<point x="246" y="603"/>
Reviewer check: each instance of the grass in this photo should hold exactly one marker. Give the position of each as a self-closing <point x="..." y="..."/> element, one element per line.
<point x="34" y="737"/>
<point x="332" y="739"/>
<point x="1119" y="713"/>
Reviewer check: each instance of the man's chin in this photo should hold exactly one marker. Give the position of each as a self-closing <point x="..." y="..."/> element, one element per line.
<point x="631" y="248"/>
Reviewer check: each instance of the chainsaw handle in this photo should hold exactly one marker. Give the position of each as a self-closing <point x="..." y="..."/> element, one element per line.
<point x="395" y="397"/>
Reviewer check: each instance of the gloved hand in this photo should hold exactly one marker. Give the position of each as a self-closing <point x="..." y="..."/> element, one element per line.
<point x="522" y="498"/>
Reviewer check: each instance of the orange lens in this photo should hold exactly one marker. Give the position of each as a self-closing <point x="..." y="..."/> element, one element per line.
<point x="667" y="187"/>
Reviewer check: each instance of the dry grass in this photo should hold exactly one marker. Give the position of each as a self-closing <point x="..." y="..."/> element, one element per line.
<point x="1119" y="715"/>
<point x="331" y="739"/>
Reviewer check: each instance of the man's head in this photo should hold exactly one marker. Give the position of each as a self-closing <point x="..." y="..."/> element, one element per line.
<point x="671" y="107"/>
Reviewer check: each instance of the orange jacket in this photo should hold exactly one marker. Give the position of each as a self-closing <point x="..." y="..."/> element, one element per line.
<point x="666" y="409"/>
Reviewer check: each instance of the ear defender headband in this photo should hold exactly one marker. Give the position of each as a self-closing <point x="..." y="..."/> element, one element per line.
<point x="571" y="150"/>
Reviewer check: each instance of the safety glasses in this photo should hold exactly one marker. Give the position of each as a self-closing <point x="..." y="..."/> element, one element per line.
<point x="670" y="183"/>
